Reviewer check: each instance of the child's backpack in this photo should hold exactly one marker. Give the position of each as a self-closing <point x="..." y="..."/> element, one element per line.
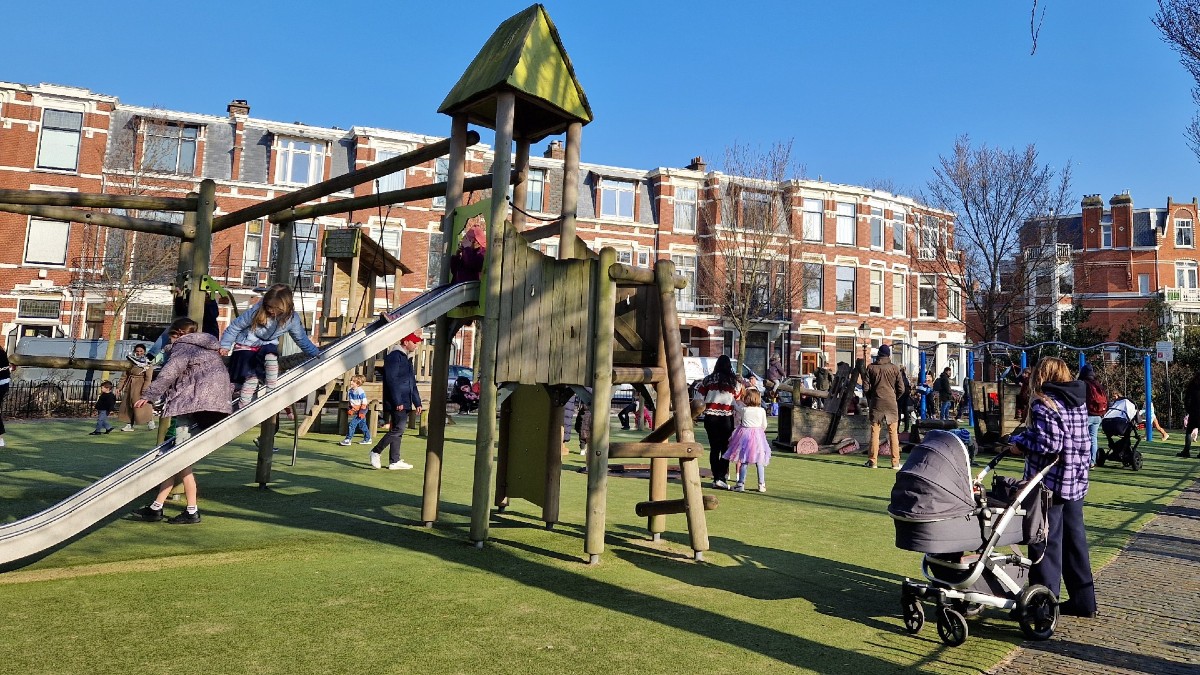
<point x="1097" y="401"/>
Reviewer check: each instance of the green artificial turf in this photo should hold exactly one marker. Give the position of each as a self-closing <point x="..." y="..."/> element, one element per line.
<point x="331" y="571"/>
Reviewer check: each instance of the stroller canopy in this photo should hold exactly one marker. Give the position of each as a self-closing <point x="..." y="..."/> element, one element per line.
<point x="935" y="482"/>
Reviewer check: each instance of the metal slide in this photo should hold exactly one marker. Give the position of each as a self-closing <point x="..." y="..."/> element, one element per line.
<point x="34" y="534"/>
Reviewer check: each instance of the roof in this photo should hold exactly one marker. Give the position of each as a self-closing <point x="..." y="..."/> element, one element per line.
<point x="526" y="56"/>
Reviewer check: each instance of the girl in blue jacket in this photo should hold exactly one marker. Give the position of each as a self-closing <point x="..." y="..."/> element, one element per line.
<point x="252" y="341"/>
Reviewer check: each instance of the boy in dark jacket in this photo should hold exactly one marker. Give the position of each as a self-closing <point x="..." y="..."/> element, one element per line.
<point x="400" y="397"/>
<point x="105" y="406"/>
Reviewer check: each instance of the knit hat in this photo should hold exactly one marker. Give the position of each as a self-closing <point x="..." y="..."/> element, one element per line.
<point x="884" y="350"/>
<point x="412" y="337"/>
<point x="1086" y="372"/>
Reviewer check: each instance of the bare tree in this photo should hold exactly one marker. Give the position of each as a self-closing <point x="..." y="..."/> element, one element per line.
<point x="120" y="265"/>
<point x="748" y="245"/>
<point x="994" y="194"/>
<point x="1179" y="23"/>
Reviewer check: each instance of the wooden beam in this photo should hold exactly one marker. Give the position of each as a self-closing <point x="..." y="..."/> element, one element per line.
<point x="639" y="275"/>
<point x="639" y="450"/>
<point x="382" y="199"/>
<point x="99" y="201"/>
<point x="337" y="184"/>
<point x="546" y="231"/>
<point x="69" y="362"/>
<point x="633" y="375"/>
<point x="669" y="506"/>
<point x="97" y="218"/>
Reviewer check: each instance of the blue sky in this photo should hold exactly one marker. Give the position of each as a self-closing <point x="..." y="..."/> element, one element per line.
<point x="869" y="90"/>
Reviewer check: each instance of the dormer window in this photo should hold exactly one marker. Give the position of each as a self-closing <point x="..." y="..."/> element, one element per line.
<point x="299" y="162"/>
<point x="170" y="148"/>
<point x="1106" y="231"/>
<point x="616" y="199"/>
<point x="1184" y="237"/>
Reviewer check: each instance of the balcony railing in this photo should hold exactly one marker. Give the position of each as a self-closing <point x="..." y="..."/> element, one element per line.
<point x="1177" y="294"/>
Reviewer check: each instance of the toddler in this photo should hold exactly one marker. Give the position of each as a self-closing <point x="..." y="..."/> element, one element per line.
<point x="105" y="406"/>
<point x="253" y="339"/>
<point x="357" y="398"/>
<point x="749" y="444"/>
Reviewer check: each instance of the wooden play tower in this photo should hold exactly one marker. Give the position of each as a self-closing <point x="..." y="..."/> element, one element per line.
<point x="554" y="327"/>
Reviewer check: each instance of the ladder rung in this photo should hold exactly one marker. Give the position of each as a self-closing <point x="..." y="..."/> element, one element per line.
<point x="638" y="449"/>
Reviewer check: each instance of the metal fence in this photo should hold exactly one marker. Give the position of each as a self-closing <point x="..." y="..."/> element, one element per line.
<point x="50" y="398"/>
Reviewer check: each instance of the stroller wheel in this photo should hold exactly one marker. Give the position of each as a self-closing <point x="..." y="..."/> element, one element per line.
<point x="1037" y="612"/>
<point x="1136" y="464"/>
<point x="914" y="615"/>
<point x="1100" y="458"/>
<point x="952" y="627"/>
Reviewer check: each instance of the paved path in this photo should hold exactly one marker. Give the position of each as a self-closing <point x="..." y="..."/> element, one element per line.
<point x="1149" y="599"/>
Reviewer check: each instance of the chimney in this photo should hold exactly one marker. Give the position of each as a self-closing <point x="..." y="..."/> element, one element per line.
<point x="554" y="150"/>
<point x="698" y="164"/>
<point x="238" y="108"/>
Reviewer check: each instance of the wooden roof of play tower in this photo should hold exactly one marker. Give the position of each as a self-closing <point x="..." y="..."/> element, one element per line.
<point x="526" y="56"/>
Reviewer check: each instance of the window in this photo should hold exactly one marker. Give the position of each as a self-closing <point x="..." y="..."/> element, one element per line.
<point x="388" y="239"/>
<point x="1106" y="231"/>
<point x="434" y="274"/>
<point x="252" y="253"/>
<point x="757" y="213"/>
<point x="927" y="296"/>
<point x="877" y="291"/>
<point x="845" y="289"/>
<point x="685" y="266"/>
<point x="1185" y="274"/>
<point x="625" y="256"/>
<point x="844" y="348"/>
<point x="813" y="285"/>
<point x="899" y="231"/>
<point x="1066" y="281"/>
<point x="899" y="295"/>
<point x="59" y="145"/>
<point x="46" y="242"/>
<point x="39" y="309"/>
<point x="1183" y="233"/>
<point x="441" y="174"/>
<point x="1143" y="284"/>
<point x="845" y="223"/>
<point x="876" y="228"/>
<point x="170" y="148"/>
<point x="685" y="209"/>
<point x="929" y="238"/>
<point x="392" y="181"/>
<point x="304" y="244"/>
<point x="616" y="199"/>
<point x="954" y="304"/>
<point x="814" y="219"/>
<point x="299" y="162"/>
<point x="535" y="188"/>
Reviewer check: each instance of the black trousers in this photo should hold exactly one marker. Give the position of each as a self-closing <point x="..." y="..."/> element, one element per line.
<point x="1066" y="558"/>
<point x="394" y="435"/>
<point x="719" y="428"/>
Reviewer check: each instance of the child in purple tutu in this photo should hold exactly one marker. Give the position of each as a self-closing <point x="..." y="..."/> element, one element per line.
<point x="749" y="444"/>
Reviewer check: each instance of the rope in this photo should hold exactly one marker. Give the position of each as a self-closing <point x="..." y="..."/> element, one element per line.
<point x="530" y="215"/>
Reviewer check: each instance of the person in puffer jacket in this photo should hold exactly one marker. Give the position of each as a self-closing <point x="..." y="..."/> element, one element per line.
<point x="196" y="385"/>
<point x="1056" y="429"/>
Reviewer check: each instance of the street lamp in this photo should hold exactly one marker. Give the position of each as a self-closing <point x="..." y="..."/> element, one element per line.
<point x="864" y="334"/>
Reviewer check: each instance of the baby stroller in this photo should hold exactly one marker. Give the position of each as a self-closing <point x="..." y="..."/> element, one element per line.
<point x="939" y="510"/>
<point x="1119" y="425"/>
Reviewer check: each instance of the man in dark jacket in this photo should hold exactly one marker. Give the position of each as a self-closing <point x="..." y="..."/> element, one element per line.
<point x="944" y="392"/>
<point x="884" y="385"/>
<point x="400" y="397"/>
<point x="822" y="381"/>
<point x="1191" y="409"/>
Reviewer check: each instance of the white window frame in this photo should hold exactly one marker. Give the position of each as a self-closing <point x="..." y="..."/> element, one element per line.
<point x="1144" y="284"/>
<point x="819" y="291"/>
<point x="953" y="303"/>
<point x="685" y="266"/>
<point x="1185" y="230"/>
<point x="53" y="133"/>
<point x="1186" y="274"/>
<point x="441" y="174"/>
<point x="899" y="230"/>
<point x="392" y="181"/>
<point x="535" y="198"/>
<point x="252" y="267"/>
<point x="50" y="232"/>
<point x="390" y="237"/>
<point x="1106" y="231"/>
<point x="288" y="149"/>
<point x="875" y="297"/>
<point x="838" y="281"/>
<point x="686" y="204"/>
<point x="173" y="139"/>
<point x="926" y="282"/>
<point x="899" y="295"/>
<point x="847" y="220"/>
<point x="877" y="239"/>
<point x="813" y="228"/>
<point x="622" y="193"/>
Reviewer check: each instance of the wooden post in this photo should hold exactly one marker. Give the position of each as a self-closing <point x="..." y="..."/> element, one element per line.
<point x="657" y="523"/>
<point x="570" y="196"/>
<point x="282" y="274"/>
<point x="201" y="249"/>
<point x="443" y="332"/>
<point x="521" y="189"/>
<point x="485" y="437"/>
<point x="689" y="470"/>
<point x="605" y="300"/>
<point x="553" y="477"/>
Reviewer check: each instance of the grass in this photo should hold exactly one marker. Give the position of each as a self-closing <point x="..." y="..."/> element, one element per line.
<point x="331" y="571"/>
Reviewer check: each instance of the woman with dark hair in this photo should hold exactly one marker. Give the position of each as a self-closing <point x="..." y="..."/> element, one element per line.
<point x="1191" y="413"/>
<point x="1097" y="405"/>
<point x="1056" y="432"/>
<point x="720" y="389"/>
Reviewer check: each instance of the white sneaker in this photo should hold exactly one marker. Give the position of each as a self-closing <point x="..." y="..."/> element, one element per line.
<point x="127" y="427"/>
<point x="399" y="466"/>
<point x="1" y="441"/>
<point x="344" y="441"/>
<point x="151" y="426"/>
<point x="762" y="487"/>
<point x="720" y="485"/>
<point x="375" y="460"/>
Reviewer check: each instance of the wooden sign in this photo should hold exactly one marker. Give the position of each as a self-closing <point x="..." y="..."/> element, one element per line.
<point x="342" y="243"/>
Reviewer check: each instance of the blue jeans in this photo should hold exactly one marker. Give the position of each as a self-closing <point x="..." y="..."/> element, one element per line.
<point x="102" y="420"/>
<point x="357" y="423"/>
<point x="1094" y="430"/>
<point x="946" y="409"/>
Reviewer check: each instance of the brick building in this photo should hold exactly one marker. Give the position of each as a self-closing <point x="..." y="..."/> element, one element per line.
<point x="859" y="255"/>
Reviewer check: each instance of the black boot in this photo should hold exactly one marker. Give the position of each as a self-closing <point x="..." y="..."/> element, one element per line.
<point x="1184" y="453"/>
